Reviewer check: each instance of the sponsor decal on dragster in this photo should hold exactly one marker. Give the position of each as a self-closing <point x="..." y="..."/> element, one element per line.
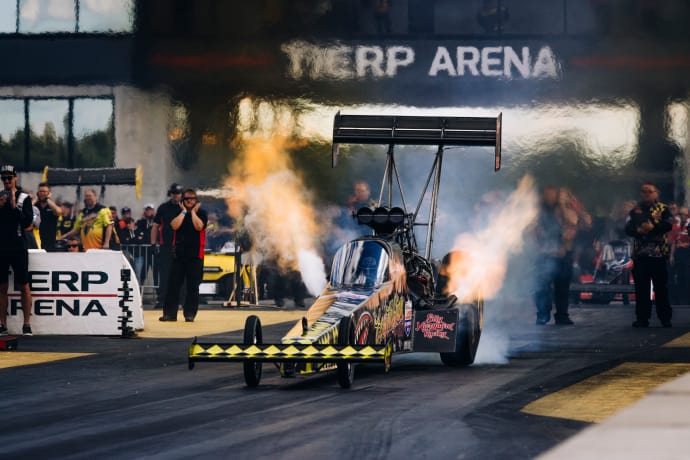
<point x="386" y="319"/>
<point x="433" y="326"/>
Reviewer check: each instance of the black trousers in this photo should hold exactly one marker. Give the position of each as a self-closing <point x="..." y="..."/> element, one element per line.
<point x="648" y="270"/>
<point x="186" y="271"/>
<point x="553" y="286"/>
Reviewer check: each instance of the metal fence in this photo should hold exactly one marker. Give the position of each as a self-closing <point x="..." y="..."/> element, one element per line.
<point x="146" y="269"/>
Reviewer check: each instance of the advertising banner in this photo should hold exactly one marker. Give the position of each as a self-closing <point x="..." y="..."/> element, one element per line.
<point x="76" y="294"/>
<point x="435" y="331"/>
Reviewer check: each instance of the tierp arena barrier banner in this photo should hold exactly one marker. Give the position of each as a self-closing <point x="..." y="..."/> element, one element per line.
<point x="76" y="294"/>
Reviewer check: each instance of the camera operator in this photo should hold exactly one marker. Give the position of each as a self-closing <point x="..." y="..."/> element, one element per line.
<point x="16" y="215"/>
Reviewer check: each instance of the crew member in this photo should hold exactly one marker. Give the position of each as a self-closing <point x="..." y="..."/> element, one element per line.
<point x="648" y="224"/>
<point x="162" y="239"/>
<point x="16" y="215"/>
<point x="188" y="258"/>
<point x="50" y="213"/>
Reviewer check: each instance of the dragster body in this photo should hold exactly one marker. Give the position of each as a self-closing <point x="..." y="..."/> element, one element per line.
<point x="382" y="296"/>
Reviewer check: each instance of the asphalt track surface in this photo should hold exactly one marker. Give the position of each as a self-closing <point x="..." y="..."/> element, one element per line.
<point x="533" y="388"/>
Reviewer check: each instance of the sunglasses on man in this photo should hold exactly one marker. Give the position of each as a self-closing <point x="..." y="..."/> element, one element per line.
<point x="4" y="178"/>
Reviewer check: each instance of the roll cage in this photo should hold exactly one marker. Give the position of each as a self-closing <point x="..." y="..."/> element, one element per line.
<point x="394" y="130"/>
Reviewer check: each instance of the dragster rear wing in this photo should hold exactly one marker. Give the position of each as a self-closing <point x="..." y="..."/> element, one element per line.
<point x="417" y="130"/>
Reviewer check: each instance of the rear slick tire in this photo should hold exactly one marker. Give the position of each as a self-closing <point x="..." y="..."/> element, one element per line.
<point x="469" y="329"/>
<point x="252" y="336"/>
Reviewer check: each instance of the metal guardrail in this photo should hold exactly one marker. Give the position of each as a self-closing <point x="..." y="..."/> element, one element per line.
<point x="143" y="258"/>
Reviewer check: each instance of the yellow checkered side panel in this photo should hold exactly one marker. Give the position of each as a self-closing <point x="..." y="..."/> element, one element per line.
<point x="289" y="352"/>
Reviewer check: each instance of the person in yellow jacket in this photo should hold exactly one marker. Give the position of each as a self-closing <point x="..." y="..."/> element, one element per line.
<point x="94" y="223"/>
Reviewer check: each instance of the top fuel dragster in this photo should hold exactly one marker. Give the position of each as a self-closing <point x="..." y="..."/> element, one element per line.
<point x="382" y="296"/>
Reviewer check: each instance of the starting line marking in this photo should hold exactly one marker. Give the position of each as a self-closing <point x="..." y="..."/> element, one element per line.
<point x="208" y="322"/>
<point x="600" y="396"/>
<point x="679" y="342"/>
<point x="26" y="358"/>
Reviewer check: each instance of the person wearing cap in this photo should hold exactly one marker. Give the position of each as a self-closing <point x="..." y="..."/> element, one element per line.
<point x="16" y="215"/>
<point x="50" y="213"/>
<point x="162" y="238"/>
<point x="133" y="240"/>
<point x="144" y="226"/>
<point x="121" y="224"/>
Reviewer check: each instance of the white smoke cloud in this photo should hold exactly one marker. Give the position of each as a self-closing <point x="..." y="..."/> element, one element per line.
<point x="313" y="271"/>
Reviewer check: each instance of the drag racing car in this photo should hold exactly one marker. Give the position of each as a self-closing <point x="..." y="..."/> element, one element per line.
<point x="383" y="296"/>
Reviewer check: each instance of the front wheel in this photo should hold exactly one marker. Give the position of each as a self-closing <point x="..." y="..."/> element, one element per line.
<point x="252" y="336"/>
<point x="346" y="336"/>
<point x="468" y="330"/>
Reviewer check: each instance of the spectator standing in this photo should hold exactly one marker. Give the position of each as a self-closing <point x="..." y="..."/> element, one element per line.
<point x="648" y="223"/>
<point x="125" y="213"/>
<point x="134" y="240"/>
<point x="680" y="257"/>
<point x="189" y="226"/>
<point x="557" y="223"/>
<point x="673" y="287"/>
<point x="382" y="16"/>
<point x="94" y="223"/>
<point x="65" y="219"/>
<point x="145" y="226"/>
<point x="16" y="215"/>
<point x="145" y="223"/>
<point x="162" y="237"/>
<point x="33" y="238"/>
<point x="50" y="212"/>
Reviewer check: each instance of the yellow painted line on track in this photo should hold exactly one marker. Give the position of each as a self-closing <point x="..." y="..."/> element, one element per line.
<point x="208" y="322"/>
<point x="680" y="342"/>
<point x="598" y="397"/>
<point x="26" y="358"/>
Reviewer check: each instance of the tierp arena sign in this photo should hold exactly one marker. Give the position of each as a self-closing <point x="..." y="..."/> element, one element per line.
<point x="307" y="61"/>
<point x="76" y="294"/>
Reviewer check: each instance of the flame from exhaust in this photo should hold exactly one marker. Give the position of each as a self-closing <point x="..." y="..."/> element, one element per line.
<point x="479" y="260"/>
<point x="269" y="200"/>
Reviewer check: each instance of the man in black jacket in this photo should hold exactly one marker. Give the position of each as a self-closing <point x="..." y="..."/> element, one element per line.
<point x="648" y="224"/>
<point x="162" y="239"/>
<point x="16" y="214"/>
<point x="189" y="227"/>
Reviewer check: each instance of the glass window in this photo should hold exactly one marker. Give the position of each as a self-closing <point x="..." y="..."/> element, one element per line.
<point x="588" y="17"/>
<point x="532" y="17"/>
<point x="454" y="18"/>
<point x="12" y="131"/>
<point x="43" y="16"/>
<point x="94" y="136"/>
<point x="48" y="124"/>
<point x="105" y="16"/>
<point x="8" y="16"/>
<point x="360" y="264"/>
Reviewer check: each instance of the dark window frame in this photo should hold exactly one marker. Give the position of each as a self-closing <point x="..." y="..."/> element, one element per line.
<point x="69" y="135"/>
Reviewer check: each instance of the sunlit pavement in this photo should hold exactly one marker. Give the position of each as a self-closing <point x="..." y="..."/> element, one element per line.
<point x="210" y="322"/>
<point x="657" y="427"/>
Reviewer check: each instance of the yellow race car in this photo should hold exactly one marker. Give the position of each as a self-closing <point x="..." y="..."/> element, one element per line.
<point x="218" y="281"/>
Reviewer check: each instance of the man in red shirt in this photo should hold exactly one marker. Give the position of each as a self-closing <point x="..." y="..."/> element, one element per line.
<point x="187" y="267"/>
